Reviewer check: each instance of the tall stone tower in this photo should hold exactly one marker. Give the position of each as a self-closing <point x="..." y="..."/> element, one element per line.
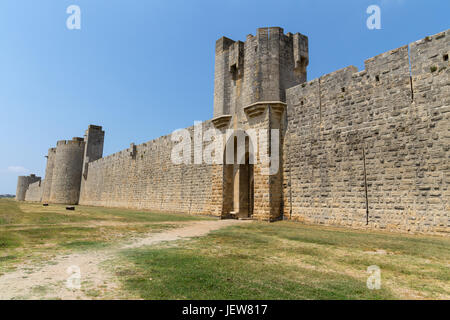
<point x="47" y="185"/>
<point x="94" y="139"/>
<point x="259" y="69"/>
<point x="66" y="164"/>
<point x="66" y="178"/>
<point x="250" y="85"/>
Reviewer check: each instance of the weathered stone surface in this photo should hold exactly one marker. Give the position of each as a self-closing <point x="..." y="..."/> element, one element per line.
<point x="401" y="125"/>
<point x="361" y="149"/>
<point x="150" y="180"/>
<point x="66" y="178"/>
<point x="23" y="192"/>
<point x="47" y="184"/>
<point x="34" y="192"/>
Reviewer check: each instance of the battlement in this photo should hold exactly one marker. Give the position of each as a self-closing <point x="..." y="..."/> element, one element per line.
<point x="393" y="62"/>
<point x="425" y="56"/>
<point x="259" y="69"/>
<point x="339" y="77"/>
<point x="430" y="54"/>
<point x="94" y="127"/>
<point x="75" y="141"/>
<point x="223" y="44"/>
<point x="32" y="177"/>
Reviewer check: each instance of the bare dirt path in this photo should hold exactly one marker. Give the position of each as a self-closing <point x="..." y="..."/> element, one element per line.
<point x="58" y="279"/>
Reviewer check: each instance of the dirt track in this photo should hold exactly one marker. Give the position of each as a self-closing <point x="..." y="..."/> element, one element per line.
<point x="49" y="281"/>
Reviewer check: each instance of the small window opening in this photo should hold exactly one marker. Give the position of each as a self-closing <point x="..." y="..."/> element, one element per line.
<point x="234" y="72"/>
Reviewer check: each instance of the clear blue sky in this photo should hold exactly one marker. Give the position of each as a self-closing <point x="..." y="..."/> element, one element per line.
<point x="144" y="68"/>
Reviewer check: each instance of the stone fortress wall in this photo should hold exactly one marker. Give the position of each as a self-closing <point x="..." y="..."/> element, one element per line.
<point x="34" y="192"/>
<point x="23" y="183"/>
<point x="64" y="170"/>
<point x="386" y="127"/>
<point x="368" y="148"/>
<point x="144" y="177"/>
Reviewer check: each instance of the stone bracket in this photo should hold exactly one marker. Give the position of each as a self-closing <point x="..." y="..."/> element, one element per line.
<point x="221" y="121"/>
<point x="278" y="108"/>
<point x="259" y="108"/>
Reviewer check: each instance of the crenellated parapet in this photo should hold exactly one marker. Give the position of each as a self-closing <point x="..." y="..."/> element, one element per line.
<point x="257" y="70"/>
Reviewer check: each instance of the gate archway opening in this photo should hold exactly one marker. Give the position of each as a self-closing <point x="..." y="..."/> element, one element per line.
<point x="238" y="188"/>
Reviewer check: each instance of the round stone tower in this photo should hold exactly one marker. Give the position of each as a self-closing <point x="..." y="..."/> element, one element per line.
<point x="23" y="183"/>
<point x="48" y="175"/>
<point x="67" y="170"/>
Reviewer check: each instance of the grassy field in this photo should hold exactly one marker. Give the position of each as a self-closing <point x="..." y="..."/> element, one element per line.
<point x="29" y="231"/>
<point x="287" y="260"/>
<point x="254" y="260"/>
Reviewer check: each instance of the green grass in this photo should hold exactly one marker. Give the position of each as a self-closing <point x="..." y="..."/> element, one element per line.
<point x="6" y="258"/>
<point x="13" y="213"/>
<point x="258" y="260"/>
<point x="32" y="231"/>
<point x="287" y="260"/>
<point x="84" y="245"/>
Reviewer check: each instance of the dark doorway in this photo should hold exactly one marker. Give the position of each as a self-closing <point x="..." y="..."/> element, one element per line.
<point x="238" y="188"/>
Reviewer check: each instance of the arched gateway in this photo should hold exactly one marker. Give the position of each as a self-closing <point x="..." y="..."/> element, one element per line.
<point x="238" y="189"/>
<point x="250" y="82"/>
